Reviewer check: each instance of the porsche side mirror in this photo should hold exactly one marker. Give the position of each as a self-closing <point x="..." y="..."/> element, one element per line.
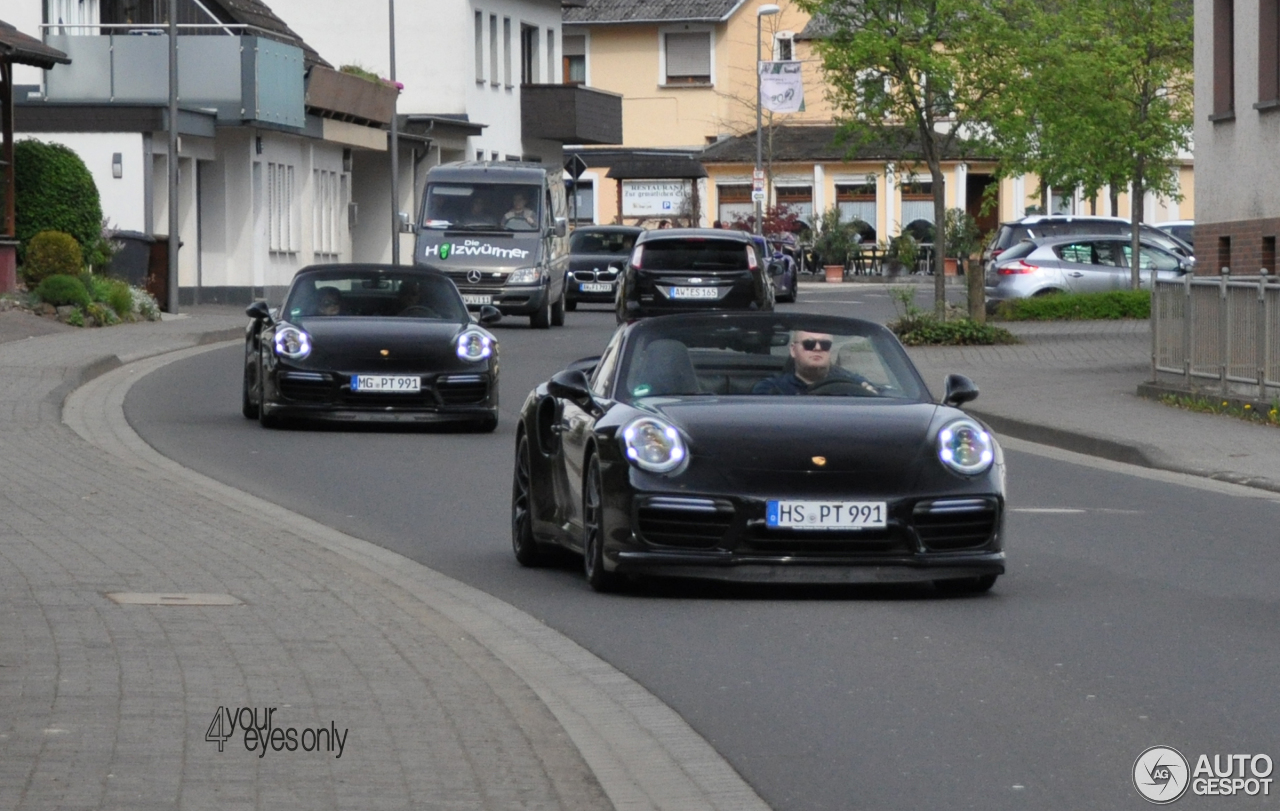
<point x="572" y="385"/>
<point x="258" y="311"/>
<point x="960" y="390"/>
<point x="489" y="315"/>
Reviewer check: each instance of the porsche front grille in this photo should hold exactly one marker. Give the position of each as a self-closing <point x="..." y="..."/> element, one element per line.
<point x="957" y="523"/>
<point x="691" y="523"/>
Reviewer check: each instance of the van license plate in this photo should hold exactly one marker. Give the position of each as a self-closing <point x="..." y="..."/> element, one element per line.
<point x="476" y="300"/>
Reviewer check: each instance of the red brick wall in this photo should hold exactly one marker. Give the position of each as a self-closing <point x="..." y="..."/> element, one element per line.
<point x="1248" y="252"/>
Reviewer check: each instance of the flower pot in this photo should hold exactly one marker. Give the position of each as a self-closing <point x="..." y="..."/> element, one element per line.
<point x="835" y="273"/>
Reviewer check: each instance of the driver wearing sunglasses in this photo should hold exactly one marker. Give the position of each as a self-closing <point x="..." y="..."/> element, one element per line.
<point x="811" y="358"/>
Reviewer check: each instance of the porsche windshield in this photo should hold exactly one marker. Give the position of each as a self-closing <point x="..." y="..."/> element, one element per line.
<point x="483" y="207"/>
<point x="772" y="359"/>
<point x="374" y="294"/>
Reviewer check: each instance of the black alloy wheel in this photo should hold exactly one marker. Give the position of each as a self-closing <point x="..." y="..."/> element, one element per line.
<point x="542" y="318"/>
<point x="264" y="419"/>
<point x="523" y="544"/>
<point x="593" y="531"/>
<point x="557" y="309"/>
<point x="966" y="585"/>
<point x="248" y="406"/>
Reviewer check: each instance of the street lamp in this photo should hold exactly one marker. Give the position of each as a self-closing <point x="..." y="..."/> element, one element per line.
<point x="767" y="10"/>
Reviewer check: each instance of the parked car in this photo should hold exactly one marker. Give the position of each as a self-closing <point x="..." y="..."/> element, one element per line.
<point x="597" y="254"/>
<point x="681" y="270"/>
<point x="1182" y="229"/>
<point x="680" y="453"/>
<point x="1040" y="226"/>
<point x="360" y="343"/>
<point x="500" y="233"/>
<point x="1075" y="264"/>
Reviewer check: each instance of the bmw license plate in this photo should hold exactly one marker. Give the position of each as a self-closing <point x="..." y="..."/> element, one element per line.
<point x="596" y="287"/>
<point x="476" y="301"/>
<point x="826" y="514"/>
<point x="394" y="384"/>
<point x="694" y="292"/>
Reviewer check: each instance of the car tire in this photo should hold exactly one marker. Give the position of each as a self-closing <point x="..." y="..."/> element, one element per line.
<point x="542" y="318"/>
<point x="966" y="585"/>
<point x="570" y="306"/>
<point x="525" y="547"/>
<point x="248" y="407"/>
<point x="593" y="531"/>
<point x="557" y="311"/>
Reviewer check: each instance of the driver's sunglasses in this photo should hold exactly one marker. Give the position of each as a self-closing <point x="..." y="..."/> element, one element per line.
<point x="811" y="344"/>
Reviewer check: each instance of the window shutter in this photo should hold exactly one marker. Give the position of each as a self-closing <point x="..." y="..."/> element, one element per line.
<point x="689" y="54"/>
<point x="573" y="45"/>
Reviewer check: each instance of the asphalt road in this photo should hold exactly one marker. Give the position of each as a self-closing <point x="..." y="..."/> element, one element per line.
<point x="1135" y="613"/>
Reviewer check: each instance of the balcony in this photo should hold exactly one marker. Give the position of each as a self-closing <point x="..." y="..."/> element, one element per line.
<point x="246" y="78"/>
<point x="570" y="114"/>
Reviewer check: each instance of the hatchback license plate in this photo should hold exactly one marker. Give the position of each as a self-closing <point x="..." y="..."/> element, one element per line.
<point x="596" y="287"/>
<point x="394" y="384"/>
<point x="826" y="514"/>
<point x="694" y="292"/>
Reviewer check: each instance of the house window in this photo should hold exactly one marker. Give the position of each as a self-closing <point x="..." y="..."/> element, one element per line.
<point x="1268" y="51"/>
<point x="74" y="14"/>
<point x="149" y="13"/>
<point x="281" y="231"/>
<point x="688" y="58"/>
<point x="328" y="203"/>
<point x="917" y="210"/>
<point x="494" y="49"/>
<point x="1060" y="202"/>
<point x="506" y="51"/>
<point x="574" y="47"/>
<point x="797" y="199"/>
<point x="480" y="46"/>
<point x="783" y="47"/>
<point x="857" y="203"/>
<point x="528" y="54"/>
<point x="734" y="203"/>
<point x="1224" y="57"/>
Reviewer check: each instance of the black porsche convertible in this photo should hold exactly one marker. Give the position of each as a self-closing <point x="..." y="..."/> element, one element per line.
<point x="760" y="448"/>
<point x="371" y="342"/>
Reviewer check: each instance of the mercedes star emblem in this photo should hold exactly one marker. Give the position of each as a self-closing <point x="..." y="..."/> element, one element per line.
<point x="474" y="276"/>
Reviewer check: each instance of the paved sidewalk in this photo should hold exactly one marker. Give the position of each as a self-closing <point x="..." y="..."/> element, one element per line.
<point x="398" y="687"/>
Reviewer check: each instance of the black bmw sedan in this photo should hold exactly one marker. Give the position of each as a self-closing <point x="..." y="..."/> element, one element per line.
<point x="688" y="270"/>
<point x="368" y="343"/>
<point x="597" y="254"/>
<point x="763" y="448"/>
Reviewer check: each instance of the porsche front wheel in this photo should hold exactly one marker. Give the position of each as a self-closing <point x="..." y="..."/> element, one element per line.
<point x="248" y="406"/>
<point x="593" y="531"/>
<point x="523" y="543"/>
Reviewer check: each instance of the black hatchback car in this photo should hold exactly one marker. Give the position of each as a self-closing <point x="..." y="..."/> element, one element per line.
<point x="683" y="270"/>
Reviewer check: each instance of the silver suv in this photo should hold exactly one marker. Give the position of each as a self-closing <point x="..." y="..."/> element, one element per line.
<point x="1075" y="264"/>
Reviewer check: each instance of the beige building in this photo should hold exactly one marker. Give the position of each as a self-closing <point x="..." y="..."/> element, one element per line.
<point x="685" y="71"/>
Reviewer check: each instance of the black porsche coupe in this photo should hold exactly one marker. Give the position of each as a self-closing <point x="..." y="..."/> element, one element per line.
<point x="369" y="343"/>
<point x="759" y="448"/>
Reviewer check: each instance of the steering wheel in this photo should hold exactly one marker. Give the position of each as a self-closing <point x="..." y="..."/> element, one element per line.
<point x="843" y="387"/>
<point x="419" y="311"/>
<point x="517" y="224"/>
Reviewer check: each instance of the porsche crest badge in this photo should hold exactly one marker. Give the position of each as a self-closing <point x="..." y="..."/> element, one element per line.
<point x="819" y="460"/>
<point x="384" y="352"/>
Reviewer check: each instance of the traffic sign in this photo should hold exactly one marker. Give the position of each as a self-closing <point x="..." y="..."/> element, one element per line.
<point x="757" y="195"/>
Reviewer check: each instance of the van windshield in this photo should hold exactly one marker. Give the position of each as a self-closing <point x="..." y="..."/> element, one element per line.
<point x="483" y="207"/>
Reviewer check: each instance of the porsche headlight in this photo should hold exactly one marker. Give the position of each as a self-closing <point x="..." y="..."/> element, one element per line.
<point x="474" y="346"/>
<point x="525" y="276"/>
<point x="653" y="445"/>
<point x="965" y="447"/>
<point x="292" y="343"/>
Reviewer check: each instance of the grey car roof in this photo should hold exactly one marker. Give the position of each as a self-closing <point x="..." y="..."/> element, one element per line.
<point x="476" y="171"/>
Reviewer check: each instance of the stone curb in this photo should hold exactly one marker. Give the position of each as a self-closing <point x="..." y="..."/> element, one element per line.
<point x="644" y="755"/>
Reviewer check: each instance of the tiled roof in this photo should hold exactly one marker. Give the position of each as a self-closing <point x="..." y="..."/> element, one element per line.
<point x="637" y="11"/>
<point x="822" y="143"/>
<point x="18" y="47"/>
<point x="257" y="13"/>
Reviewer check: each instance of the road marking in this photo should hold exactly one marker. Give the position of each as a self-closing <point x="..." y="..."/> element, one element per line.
<point x="1048" y="510"/>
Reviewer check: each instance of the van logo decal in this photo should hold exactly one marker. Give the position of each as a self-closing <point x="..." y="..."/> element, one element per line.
<point x="445" y="250"/>
<point x="471" y="247"/>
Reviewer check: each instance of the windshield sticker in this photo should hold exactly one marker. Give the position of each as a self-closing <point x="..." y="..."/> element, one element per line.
<point x="471" y="247"/>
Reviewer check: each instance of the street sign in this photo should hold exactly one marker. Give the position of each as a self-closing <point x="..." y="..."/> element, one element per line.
<point x="757" y="195"/>
<point x="757" y="175"/>
<point x="575" y="166"/>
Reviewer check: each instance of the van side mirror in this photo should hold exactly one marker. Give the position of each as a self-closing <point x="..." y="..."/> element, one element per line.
<point x="561" y="227"/>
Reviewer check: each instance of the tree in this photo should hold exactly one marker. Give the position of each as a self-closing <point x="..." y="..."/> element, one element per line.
<point x="779" y="219"/>
<point x="914" y="76"/>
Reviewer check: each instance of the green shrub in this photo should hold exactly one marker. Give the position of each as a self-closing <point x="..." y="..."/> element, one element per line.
<point x="54" y="192"/>
<point x="76" y="319"/>
<point x="1112" y="304"/>
<point x="119" y="297"/>
<point x="51" y="253"/>
<point x="59" y="290"/>
<point x="104" y="315"/>
<point x="927" y="330"/>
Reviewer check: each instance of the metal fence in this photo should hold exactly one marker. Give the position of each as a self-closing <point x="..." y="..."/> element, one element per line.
<point x="1225" y="330"/>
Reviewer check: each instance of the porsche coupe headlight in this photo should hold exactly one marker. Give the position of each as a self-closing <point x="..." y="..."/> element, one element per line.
<point x="965" y="447"/>
<point x="653" y="445"/>
<point x="292" y="343"/>
<point x="474" y="346"/>
<point x="525" y="276"/>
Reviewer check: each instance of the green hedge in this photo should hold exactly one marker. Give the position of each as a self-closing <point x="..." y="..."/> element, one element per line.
<point x="55" y="192"/>
<point x="1114" y="304"/>
<point x="927" y="330"/>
